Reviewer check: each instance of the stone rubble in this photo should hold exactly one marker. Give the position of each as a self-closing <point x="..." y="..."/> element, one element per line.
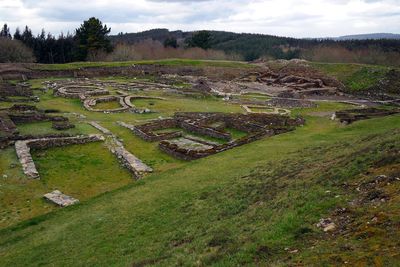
<point x="60" y="199"/>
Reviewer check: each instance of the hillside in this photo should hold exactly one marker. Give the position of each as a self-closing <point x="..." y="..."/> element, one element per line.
<point x="371" y="36"/>
<point x="254" y="46"/>
<point x="245" y="165"/>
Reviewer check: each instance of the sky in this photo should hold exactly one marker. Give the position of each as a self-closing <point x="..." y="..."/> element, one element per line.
<point x="293" y="18"/>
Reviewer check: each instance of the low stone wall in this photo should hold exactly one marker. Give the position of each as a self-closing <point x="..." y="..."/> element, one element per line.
<point x="21" y="89"/>
<point x="186" y="154"/>
<point x="204" y="130"/>
<point x="256" y="125"/>
<point x="352" y="115"/>
<point x="23" y="148"/>
<point x="131" y="162"/>
<point x="127" y="159"/>
<point x="145" y="131"/>
<point x="91" y="102"/>
<point x="62" y="125"/>
<point x="7" y="126"/>
<point x="100" y="128"/>
<point x="6" y="141"/>
<point x="127" y="101"/>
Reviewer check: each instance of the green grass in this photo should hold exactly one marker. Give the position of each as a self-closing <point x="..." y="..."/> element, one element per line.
<point x="240" y="207"/>
<point x="41" y="128"/>
<point x="355" y="77"/>
<point x="83" y="171"/>
<point x="107" y="105"/>
<point x="164" y="62"/>
<point x="255" y="201"/>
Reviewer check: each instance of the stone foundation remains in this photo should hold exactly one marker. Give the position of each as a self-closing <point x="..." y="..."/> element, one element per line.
<point x="22" y="91"/>
<point x="131" y="162"/>
<point x="352" y="115"/>
<point x="91" y="102"/>
<point x="23" y="148"/>
<point x="20" y="114"/>
<point x="256" y="126"/>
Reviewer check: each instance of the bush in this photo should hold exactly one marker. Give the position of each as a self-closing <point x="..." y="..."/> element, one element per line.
<point x="14" y="51"/>
<point x="150" y="49"/>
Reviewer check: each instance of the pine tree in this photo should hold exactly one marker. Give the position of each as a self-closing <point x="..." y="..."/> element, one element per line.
<point x="171" y="42"/>
<point x="200" y="39"/>
<point x="5" y="32"/>
<point x="92" y="39"/>
<point x="17" y="34"/>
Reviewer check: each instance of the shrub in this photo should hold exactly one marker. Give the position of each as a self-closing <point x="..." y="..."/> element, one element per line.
<point x="14" y="51"/>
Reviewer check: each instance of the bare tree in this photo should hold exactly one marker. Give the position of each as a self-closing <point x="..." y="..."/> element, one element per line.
<point x="14" y="51"/>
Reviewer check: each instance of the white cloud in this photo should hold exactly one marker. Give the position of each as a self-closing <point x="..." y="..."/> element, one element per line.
<point x="297" y="18"/>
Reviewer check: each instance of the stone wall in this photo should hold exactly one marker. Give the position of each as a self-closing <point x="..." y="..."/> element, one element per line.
<point x="146" y="131"/>
<point x="351" y="115"/>
<point x="22" y="89"/>
<point x="91" y="102"/>
<point x="127" y="159"/>
<point x="255" y="125"/>
<point x="24" y="147"/>
<point x="7" y="126"/>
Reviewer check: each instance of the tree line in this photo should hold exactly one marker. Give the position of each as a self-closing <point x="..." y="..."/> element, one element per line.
<point x="91" y="41"/>
<point x="87" y="41"/>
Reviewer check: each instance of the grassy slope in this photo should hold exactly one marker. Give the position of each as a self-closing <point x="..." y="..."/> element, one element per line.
<point x="21" y="198"/>
<point x="355" y="77"/>
<point x="254" y="202"/>
<point x="165" y="62"/>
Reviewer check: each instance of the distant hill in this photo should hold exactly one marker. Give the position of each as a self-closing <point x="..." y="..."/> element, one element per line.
<point x="371" y="36"/>
<point x="253" y="46"/>
<point x="154" y="34"/>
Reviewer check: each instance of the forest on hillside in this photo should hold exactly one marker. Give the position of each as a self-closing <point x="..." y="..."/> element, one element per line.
<point x="92" y="42"/>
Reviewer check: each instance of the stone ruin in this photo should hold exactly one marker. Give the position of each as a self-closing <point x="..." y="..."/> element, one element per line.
<point x="80" y="89"/>
<point x="268" y="110"/>
<point x="123" y="100"/>
<point x="60" y="199"/>
<point x="20" y="114"/>
<point x="299" y="85"/>
<point x="90" y="104"/>
<point x="62" y="125"/>
<point x="23" y="149"/>
<point x="21" y="90"/>
<point x="352" y="115"/>
<point x="127" y="159"/>
<point x="91" y="92"/>
<point x="213" y="125"/>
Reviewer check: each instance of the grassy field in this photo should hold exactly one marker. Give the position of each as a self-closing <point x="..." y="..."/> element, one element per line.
<point x="355" y="77"/>
<point x="165" y="62"/>
<point x="256" y="204"/>
<point x="255" y="201"/>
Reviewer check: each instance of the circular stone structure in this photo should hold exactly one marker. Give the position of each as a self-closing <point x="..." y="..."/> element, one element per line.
<point x="91" y="102"/>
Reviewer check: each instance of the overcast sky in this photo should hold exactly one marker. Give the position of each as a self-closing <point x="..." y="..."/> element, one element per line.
<point x="295" y="18"/>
